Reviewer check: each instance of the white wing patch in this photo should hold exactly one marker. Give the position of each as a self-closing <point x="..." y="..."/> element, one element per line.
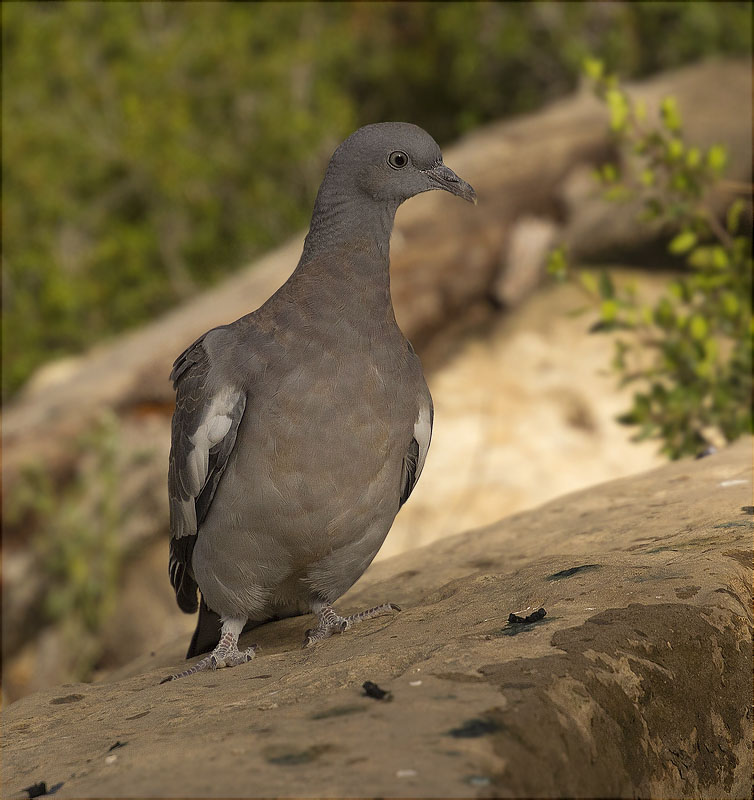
<point x="422" y="434"/>
<point x="214" y="426"/>
<point x="185" y="521"/>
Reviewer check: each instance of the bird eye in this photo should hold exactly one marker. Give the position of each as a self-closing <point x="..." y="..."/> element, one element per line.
<point x="397" y="159"/>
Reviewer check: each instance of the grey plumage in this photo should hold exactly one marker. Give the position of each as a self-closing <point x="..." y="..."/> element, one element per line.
<point x="301" y="428"/>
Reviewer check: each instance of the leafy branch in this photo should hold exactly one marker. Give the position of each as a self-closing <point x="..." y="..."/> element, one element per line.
<point x="689" y="352"/>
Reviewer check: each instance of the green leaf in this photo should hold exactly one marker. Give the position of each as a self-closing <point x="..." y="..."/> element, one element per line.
<point x="674" y="149"/>
<point x="609" y="310"/>
<point x="607" y="287"/>
<point x="647" y="431"/>
<point x="670" y="115"/>
<point x="710" y="350"/>
<point x="682" y="243"/>
<point x="720" y="258"/>
<point x="733" y="217"/>
<point x="589" y="282"/>
<point x="680" y="182"/>
<point x="698" y="327"/>
<point x="731" y="304"/>
<point x="693" y="157"/>
<point x="593" y="68"/>
<point x="647" y="177"/>
<point x="701" y="257"/>
<point x="717" y="157"/>
<point x="609" y="173"/>
<point x="618" y="193"/>
<point x="557" y="264"/>
<point x="663" y="314"/>
<point x="617" y="105"/>
<point x="627" y="418"/>
<point x="703" y="369"/>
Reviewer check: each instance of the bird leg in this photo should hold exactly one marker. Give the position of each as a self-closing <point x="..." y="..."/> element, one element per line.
<point x="330" y="622"/>
<point x="226" y="654"/>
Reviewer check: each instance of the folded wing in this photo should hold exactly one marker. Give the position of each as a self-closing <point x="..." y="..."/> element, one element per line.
<point x="205" y="424"/>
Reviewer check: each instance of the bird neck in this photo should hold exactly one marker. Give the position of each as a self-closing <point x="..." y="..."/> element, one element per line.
<point x="350" y="229"/>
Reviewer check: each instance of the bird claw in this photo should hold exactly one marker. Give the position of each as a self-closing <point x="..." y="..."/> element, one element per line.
<point x="233" y="658"/>
<point x="218" y="659"/>
<point x="331" y="622"/>
<point x="314" y="635"/>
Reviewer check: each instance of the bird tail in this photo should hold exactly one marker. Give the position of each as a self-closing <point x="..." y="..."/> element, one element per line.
<point x="181" y="578"/>
<point x="207" y="633"/>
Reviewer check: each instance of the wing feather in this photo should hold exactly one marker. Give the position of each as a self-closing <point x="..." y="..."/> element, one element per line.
<point x="204" y="430"/>
<point x="413" y="461"/>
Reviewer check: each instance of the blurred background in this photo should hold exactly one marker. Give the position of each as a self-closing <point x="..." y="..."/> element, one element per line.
<point x="160" y="162"/>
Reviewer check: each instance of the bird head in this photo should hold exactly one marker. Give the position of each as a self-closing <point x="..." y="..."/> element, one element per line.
<point x="392" y="161"/>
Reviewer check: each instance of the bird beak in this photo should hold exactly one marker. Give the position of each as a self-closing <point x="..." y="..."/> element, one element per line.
<point x="444" y="178"/>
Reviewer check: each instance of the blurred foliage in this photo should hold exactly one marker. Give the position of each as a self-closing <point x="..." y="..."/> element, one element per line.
<point x="690" y="351"/>
<point x="150" y="148"/>
<point x="77" y="540"/>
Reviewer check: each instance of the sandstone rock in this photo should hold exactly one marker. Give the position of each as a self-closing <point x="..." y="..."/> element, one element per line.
<point x="637" y="682"/>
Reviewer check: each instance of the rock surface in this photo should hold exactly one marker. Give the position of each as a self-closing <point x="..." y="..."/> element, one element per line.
<point x="637" y="682"/>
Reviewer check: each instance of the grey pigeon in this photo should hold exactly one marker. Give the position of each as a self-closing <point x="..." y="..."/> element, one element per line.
<point x="302" y="428"/>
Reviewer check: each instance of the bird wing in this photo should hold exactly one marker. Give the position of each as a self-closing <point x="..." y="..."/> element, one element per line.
<point x="413" y="461"/>
<point x="205" y="424"/>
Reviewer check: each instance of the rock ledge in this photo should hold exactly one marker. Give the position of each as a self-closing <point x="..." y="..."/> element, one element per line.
<point x="637" y="682"/>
